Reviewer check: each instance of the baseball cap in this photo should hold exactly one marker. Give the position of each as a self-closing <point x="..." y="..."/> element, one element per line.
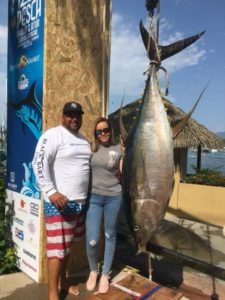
<point x="72" y="107"/>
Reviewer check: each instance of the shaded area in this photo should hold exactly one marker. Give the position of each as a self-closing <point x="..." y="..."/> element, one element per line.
<point x="176" y="245"/>
<point x="188" y="243"/>
<point x="167" y="270"/>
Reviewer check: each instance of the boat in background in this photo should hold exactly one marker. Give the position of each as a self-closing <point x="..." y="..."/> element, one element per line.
<point x="209" y="150"/>
<point x="213" y="150"/>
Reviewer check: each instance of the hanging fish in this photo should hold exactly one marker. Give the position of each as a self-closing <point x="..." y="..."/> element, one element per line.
<point x="148" y="168"/>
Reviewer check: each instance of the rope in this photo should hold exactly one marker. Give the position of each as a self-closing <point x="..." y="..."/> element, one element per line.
<point x="152" y="33"/>
<point x="167" y="80"/>
<point x="151" y="5"/>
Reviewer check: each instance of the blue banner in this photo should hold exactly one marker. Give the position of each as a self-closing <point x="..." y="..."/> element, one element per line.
<point x="25" y="92"/>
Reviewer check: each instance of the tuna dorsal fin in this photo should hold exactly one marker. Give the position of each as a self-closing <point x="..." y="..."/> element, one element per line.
<point x="177" y="129"/>
<point x="123" y="132"/>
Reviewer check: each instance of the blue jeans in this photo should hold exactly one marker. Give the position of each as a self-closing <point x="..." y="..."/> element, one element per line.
<point x="99" y="206"/>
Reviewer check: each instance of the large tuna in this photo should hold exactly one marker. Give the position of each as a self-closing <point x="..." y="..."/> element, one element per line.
<point x="148" y="169"/>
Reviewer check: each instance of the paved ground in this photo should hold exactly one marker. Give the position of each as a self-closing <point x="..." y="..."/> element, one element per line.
<point x="19" y="286"/>
<point x="195" y="240"/>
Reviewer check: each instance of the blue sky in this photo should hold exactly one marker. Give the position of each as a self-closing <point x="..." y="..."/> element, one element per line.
<point x="189" y="71"/>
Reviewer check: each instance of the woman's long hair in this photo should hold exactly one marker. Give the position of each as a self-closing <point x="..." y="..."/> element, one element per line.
<point x="95" y="142"/>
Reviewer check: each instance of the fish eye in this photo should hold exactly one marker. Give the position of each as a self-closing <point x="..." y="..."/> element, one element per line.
<point x="136" y="228"/>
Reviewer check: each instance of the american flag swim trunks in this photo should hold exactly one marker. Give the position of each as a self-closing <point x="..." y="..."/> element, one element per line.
<point x="63" y="228"/>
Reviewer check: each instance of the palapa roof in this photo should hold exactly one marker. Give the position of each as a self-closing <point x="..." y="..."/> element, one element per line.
<point x="192" y="135"/>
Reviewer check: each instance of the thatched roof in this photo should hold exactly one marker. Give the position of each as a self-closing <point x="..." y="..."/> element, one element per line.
<point x="192" y="136"/>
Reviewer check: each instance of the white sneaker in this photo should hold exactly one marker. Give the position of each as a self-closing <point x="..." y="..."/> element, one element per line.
<point x="104" y="284"/>
<point x="92" y="281"/>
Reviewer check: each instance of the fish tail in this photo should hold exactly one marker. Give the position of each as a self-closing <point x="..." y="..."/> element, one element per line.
<point x="169" y="50"/>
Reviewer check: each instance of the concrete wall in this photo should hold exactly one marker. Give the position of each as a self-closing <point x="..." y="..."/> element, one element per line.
<point x="203" y="203"/>
<point x="196" y="202"/>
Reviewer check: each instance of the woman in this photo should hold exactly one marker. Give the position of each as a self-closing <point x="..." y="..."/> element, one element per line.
<point x="105" y="201"/>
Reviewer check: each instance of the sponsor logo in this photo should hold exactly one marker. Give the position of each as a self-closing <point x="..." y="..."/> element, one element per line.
<point x="18" y="221"/>
<point x="12" y="177"/>
<point x="34" y="209"/>
<point x="24" y="61"/>
<point x="29" y="265"/>
<point x="22" y="206"/>
<point x="22" y="203"/>
<point x="23" y="83"/>
<point x="31" y="227"/>
<point x="19" y="233"/>
<point x="11" y="184"/>
<point x="29" y="254"/>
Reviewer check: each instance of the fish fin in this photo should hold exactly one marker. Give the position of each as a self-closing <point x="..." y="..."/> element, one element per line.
<point x="169" y="109"/>
<point x="169" y="50"/>
<point x="145" y="38"/>
<point x="177" y="129"/>
<point x="31" y="98"/>
<point x="123" y="133"/>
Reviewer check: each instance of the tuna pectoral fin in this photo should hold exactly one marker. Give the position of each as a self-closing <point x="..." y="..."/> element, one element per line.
<point x="123" y="132"/>
<point x="177" y="129"/>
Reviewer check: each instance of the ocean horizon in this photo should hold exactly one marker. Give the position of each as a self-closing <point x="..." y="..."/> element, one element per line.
<point x="209" y="160"/>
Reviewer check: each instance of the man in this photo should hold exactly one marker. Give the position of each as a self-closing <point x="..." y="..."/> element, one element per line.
<point x="62" y="166"/>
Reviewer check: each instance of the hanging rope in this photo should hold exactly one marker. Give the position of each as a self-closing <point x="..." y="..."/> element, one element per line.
<point x="167" y="80"/>
<point x="151" y="5"/>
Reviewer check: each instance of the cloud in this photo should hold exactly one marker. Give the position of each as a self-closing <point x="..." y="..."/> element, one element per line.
<point x="3" y="41"/>
<point x="3" y="93"/>
<point x="129" y="61"/>
<point x="3" y="49"/>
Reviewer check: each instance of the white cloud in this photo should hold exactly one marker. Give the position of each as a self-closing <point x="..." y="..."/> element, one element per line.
<point x="3" y="39"/>
<point x="128" y="58"/>
<point x="3" y="94"/>
<point x="3" y="52"/>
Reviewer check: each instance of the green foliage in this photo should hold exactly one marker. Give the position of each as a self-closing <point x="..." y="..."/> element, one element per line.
<point x="206" y="177"/>
<point x="7" y="250"/>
